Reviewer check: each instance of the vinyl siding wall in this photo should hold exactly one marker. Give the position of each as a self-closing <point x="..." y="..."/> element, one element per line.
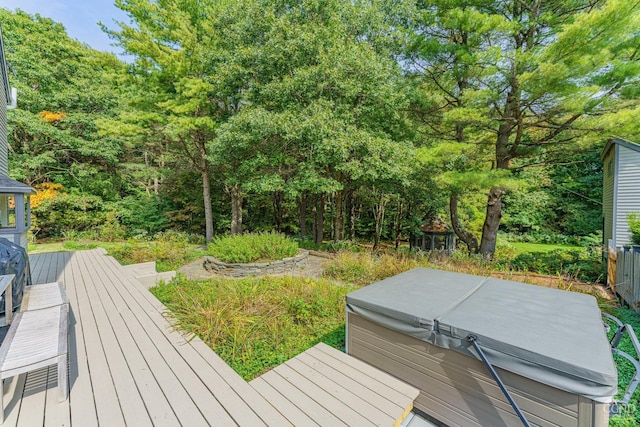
<point x="607" y="193"/>
<point x="627" y="191"/>
<point x="4" y="144"/>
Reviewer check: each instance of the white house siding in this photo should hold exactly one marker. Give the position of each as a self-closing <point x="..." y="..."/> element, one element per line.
<point x="607" y="193"/>
<point x="4" y="151"/>
<point x="627" y="191"/>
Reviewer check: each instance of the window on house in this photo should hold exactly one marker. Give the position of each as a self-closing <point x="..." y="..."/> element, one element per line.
<point x="7" y="211"/>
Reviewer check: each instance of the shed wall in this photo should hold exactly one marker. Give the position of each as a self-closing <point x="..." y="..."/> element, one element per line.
<point x="4" y="144"/>
<point x="627" y="191"/>
<point x="607" y="193"/>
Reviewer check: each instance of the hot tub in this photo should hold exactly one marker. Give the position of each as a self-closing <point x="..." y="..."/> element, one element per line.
<point x="548" y="346"/>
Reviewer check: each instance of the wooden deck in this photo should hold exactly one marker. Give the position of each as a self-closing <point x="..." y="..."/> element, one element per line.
<point x="323" y="386"/>
<point x="128" y="367"/>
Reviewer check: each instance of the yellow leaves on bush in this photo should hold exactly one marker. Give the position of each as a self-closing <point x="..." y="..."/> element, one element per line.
<point x="51" y="117"/>
<point x="45" y="191"/>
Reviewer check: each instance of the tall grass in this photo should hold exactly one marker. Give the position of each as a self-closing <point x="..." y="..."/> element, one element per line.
<point x="364" y="268"/>
<point x="170" y="250"/>
<point x="255" y="324"/>
<point x="253" y="247"/>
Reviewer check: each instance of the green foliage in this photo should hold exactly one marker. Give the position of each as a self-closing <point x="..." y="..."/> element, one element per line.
<point x="630" y="415"/>
<point x="111" y="230"/>
<point x="69" y="212"/>
<point x="342" y="245"/>
<point x="583" y="264"/>
<point x="384" y="109"/>
<point x="143" y="215"/>
<point x="170" y="250"/>
<point x="551" y="238"/>
<point x="64" y="87"/>
<point x="255" y="324"/>
<point x="634" y="225"/>
<point x="252" y="247"/>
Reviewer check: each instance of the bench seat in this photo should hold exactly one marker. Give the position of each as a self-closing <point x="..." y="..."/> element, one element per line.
<point x="46" y="295"/>
<point x="36" y="339"/>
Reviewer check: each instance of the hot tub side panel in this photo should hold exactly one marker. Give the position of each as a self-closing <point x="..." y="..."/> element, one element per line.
<point x="458" y="390"/>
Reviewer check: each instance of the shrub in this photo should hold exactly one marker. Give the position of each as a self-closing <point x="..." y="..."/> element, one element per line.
<point x="143" y="215"/>
<point x="69" y="212"/>
<point x="634" y="225"/>
<point x="584" y="264"/>
<point x="170" y="251"/>
<point x="253" y="247"/>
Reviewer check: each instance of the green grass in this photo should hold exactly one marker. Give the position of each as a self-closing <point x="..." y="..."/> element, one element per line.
<point x="253" y="247"/>
<point x="631" y="414"/>
<point x="255" y="324"/>
<point x="540" y="247"/>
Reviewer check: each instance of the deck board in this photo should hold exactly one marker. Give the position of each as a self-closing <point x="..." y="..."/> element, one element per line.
<point x="130" y="367"/>
<point x="331" y="388"/>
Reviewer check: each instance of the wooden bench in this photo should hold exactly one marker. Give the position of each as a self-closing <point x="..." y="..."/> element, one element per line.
<point x="46" y="295"/>
<point x="38" y="335"/>
<point x="36" y="339"/>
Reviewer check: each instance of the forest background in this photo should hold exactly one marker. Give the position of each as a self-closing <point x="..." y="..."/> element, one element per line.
<point x="326" y="119"/>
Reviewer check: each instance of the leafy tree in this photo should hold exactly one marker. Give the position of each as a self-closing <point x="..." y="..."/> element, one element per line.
<point x="520" y="81"/>
<point x="324" y="117"/>
<point x="63" y="87"/>
<point x="187" y="53"/>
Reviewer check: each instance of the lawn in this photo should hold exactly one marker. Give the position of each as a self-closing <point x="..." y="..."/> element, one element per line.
<point x="541" y="247"/>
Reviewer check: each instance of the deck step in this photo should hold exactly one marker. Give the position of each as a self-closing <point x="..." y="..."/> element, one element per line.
<point x="327" y="387"/>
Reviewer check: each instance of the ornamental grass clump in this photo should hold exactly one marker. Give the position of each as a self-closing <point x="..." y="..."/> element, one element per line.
<point x="253" y="247"/>
<point x="255" y="324"/>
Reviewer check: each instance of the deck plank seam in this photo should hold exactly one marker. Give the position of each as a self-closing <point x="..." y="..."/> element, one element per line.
<point x="374" y="390"/>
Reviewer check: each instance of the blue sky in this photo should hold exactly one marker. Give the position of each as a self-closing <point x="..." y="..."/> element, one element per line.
<point x="79" y="17"/>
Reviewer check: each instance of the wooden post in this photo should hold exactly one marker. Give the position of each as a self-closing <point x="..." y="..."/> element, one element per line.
<point x="611" y="269"/>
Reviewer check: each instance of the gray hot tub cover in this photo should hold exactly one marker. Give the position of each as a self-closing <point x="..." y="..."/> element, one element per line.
<point x="551" y="336"/>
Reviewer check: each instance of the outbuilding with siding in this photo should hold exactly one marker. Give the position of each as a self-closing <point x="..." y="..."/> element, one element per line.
<point x="621" y="189"/>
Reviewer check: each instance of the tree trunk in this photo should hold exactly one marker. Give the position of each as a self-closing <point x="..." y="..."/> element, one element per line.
<point x="236" y="209"/>
<point x="504" y="154"/>
<point x="467" y="237"/>
<point x="303" y="216"/>
<point x="319" y="220"/>
<point x="352" y="212"/>
<point x="398" y="225"/>
<point x="378" y="213"/>
<point x="338" y="233"/>
<point x="206" y="196"/>
<point x="277" y="210"/>
<point x="491" y="222"/>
